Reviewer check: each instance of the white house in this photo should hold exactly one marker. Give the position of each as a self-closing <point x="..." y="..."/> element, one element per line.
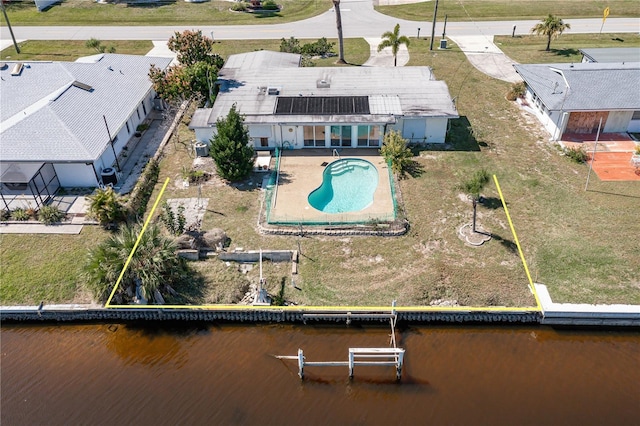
<point x="572" y="98"/>
<point x="63" y="123"/>
<point x="289" y="106"/>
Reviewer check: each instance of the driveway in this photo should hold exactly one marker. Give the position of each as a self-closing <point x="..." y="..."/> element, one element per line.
<point x="487" y="57"/>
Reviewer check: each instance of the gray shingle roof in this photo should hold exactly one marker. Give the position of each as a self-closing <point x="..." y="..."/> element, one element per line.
<point x="411" y="91"/>
<point x="612" y="54"/>
<point x="592" y="86"/>
<point x="46" y="118"/>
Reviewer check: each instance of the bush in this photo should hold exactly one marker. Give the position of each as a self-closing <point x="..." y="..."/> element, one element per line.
<point x="578" y="155"/>
<point x="292" y="45"/>
<point x="270" y="5"/>
<point x="144" y="188"/>
<point x="105" y="207"/>
<point x="50" y="214"/>
<point x="20" y="214"/>
<point x="319" y="48"/>
<point x="517" y="90"/>
<point x="174" y="222"/>
<point x="5" y="215"/>
<point x="395" y="150"/>
<point x="239" y="7"/>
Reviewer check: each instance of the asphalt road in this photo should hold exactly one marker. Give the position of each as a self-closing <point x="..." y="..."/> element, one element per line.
<point x="359" y="19"/>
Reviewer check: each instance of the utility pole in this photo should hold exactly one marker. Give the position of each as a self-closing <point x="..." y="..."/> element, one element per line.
<point x="433" y="25"/>
<point x="4" y="12"/>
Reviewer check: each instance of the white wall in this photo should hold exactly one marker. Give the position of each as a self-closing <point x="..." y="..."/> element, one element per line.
<point x="73" y="175"/>
<point x="617" y="121"/>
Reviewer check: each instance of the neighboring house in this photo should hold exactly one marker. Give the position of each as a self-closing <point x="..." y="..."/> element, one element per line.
<point x="64" y="123"/>
<point x="572" y="98"/>
<point x="289" y="106"/>
<point x="611" y="54"/>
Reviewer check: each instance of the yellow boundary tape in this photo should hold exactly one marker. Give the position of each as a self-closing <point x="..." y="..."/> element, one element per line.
<point x="332" y="308"/>
<point x="515" y="237"/>
<point x="135" y="246"/>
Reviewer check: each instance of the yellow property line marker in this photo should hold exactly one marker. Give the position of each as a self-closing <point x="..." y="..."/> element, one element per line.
<point x="135" y="246"/>
<point x="332" y="308"/>
<point x="515" y="237"/>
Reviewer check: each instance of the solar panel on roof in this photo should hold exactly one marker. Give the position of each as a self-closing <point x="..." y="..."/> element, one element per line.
<point x="322" y="105"/>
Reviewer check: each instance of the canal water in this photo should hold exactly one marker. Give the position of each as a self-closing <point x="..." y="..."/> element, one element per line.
<point x="228" y="375"/>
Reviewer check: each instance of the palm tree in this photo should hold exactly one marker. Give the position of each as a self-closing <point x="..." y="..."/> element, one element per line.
<point x="551" y="26"/>
<point x="153" y="269"/>
<point x="393" y="40"/>
<point x="336" y="6"/>
<point x="473" y="187"/>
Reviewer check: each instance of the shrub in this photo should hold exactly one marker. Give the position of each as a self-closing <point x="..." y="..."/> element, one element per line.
<point x="174" y="222"/>
<point x="578" y="155"/>
<point x="20" y="214"/>
<point x="5" y="214"/>
<point x="144" y="188"/>
<point x="105" y="207"/>
<point x="230" y="147"/>
<point x="395" y="150"/>
<point x="270" y="5"/>
<point x="637" y="150"/>
<point x="142" y="127"/>
<point x="50" y="214"/>
<point x="517" y="90"/>
<point x="239" y="7"/>
<point x="292" y="45"/>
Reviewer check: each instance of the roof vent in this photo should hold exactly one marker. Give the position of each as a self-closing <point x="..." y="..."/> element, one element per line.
<point x="273" y="90"/>
<point x="323" y="84"/>
<point x="17" y="69"/>
<point x="82" y="86"/>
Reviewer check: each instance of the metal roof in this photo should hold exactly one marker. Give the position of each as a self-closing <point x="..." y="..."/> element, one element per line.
<point x="402" y="91"/>
<point x="612" y="54"/>
<point x="592" y="86"/>
<point x="47" y="118"/>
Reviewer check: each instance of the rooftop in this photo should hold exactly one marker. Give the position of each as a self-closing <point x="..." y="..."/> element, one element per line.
<point x="592" y="86"/>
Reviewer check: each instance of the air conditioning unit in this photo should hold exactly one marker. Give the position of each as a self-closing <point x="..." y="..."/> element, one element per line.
<point x="273" y="90"/>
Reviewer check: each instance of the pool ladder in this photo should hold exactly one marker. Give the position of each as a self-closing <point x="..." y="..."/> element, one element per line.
<point x="336" y="153"/>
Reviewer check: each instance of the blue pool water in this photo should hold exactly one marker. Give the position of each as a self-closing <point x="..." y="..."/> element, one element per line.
<point x="347" y="186"/>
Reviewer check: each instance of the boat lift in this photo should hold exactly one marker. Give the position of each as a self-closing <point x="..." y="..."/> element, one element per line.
<point x="363" y="357"/>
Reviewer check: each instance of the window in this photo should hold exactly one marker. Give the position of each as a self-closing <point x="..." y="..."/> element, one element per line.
<point x="264" y="141"/>
<point x="346" y="135"/>
<point x="128" y="130"/>
<point x="374" y="135"/>
<point x="636" y="115"/>
<point x="314" y="136"/>
<point x="138" y="112"/>
<point x="144" y="109"/>
<point x="368" y="136"/>
<point x="335" y="135"/>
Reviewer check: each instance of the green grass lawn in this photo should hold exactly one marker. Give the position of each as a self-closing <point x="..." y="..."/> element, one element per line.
<point x="215" y="12"/>
<point x="45" y="267"/>
<point x="582" y="245"/>
<point x="531" y="49"/>
<point x="356" y="49"/>
<point x="503" y="10"/>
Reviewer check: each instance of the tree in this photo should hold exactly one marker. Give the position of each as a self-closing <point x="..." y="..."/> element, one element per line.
<point x="393" y="40"/>
<point x="395" y="150"/>
<point x="230" y="147"/>
<point x="552" y="27"/>
<point x="192" y="47"/>
<point x="473" y="187"/>
<point x="336" y="7"/>
<point x="105" y="207"/>
<point x="196" y="73"/>
<point x="154" y="268"/>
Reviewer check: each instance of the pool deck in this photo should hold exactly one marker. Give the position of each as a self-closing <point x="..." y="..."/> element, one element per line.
<point x="301" y="173"/>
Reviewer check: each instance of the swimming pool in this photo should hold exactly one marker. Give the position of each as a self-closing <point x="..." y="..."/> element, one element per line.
<point x="348" y="185"/>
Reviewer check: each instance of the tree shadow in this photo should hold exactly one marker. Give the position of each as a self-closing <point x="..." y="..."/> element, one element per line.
<point x="492" y="203"/>
<point x="460" y="137"/>
<point x="413" y="169"/>
<point x="149" y="5"/>
<point x="564" y="52"/>
<point x="508" y="244"/>
<point x="190" y="288"/>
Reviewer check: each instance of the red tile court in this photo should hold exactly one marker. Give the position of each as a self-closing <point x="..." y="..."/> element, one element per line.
<point x="612" y="161"/>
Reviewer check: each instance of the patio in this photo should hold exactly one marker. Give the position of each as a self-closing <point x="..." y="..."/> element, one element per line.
<point x="612" y="160"/>
<point x="301" y="171"/>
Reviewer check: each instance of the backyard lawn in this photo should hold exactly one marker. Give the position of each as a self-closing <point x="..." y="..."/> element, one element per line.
<point x="582" y="245"/>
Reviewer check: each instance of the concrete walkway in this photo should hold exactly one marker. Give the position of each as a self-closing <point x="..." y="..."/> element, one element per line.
<point x="483" y="54"/>
<point x="384" y="58"/>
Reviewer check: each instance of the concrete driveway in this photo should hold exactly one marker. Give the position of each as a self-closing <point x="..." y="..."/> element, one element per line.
<point x="487" y="57"/>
